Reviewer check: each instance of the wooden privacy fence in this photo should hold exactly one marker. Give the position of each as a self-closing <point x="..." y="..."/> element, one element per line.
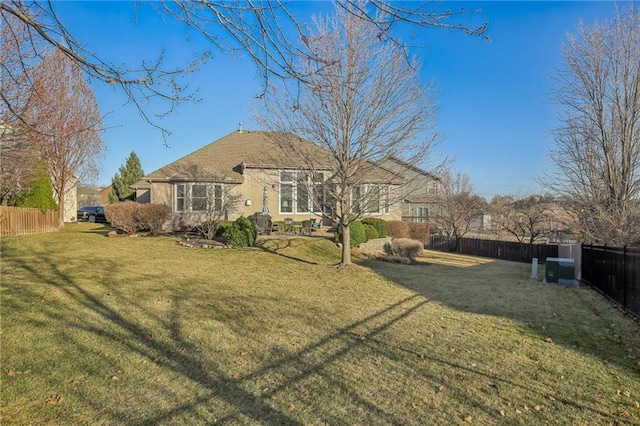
<point x="506" y="250"/>
<point x="615" y="272"/>
<point x="22" y="221"/>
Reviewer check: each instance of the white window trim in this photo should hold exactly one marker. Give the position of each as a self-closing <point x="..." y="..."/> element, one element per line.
<point x="294" y="192"/>
<point x="383" y="205"/>
<point x="210" y="190"/>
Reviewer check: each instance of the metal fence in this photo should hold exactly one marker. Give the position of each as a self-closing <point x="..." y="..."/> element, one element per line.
<point x="615" y="272"/>
<point x="22" y="221"/>
<point x="506" y="250"/>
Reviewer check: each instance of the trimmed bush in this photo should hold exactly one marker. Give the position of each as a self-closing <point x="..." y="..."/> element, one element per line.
<point x="404" y="247"/>
<point x="398" y="229"/>
<point x="223" y="226"/>
<point x="370" y="231"/>
<point x="122" y="216"/>
<point x="356" y="231"/>
<point x="358" y="234"/>
<point x="419" y="231"/>
<point x="131" y="217"/>
<point x="381" y="225"/>
<point x="152" y="217"/>
<point x="242" y="233"/>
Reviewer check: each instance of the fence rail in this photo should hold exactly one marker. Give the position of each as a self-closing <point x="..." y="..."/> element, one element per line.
<point x="615" y="272"/>
<point x="506" y="250"/>
<point x="23" y="221"/>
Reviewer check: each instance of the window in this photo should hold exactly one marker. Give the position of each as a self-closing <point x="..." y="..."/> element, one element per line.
<point x="302" y="193"/>
<point x="180" y="197"/>
<point x="286" y="192"/>
<point x="319" y="192"/>
<point x="422" y="214"/>
<point x="299" y="193"/>
<point x="432" y="187"/>
<point x="372" y="199"/>
<point x="198" y="197"/>
<point x="355" y="199"/>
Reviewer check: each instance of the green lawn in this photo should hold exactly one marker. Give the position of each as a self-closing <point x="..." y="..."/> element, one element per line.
<point x="99" y="330"/>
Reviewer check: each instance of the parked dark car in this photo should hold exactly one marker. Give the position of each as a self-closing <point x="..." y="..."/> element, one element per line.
<point x="91" y="214"/>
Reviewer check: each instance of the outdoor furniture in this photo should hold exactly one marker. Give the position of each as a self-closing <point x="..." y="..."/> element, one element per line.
<point x="306" y="228"/>
<point x="262" y="222"/>
<point x="288" y="225"/>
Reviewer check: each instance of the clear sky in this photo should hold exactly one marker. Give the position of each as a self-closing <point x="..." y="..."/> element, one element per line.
<point x="495" y="115"/>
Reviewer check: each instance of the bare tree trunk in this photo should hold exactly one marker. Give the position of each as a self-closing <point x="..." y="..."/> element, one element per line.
<point x="346" y="246"/>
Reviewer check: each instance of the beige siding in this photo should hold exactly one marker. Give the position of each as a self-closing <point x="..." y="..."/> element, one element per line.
<point x="251" y="191"/>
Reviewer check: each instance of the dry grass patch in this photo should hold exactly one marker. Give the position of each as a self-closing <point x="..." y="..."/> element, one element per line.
<point x="143" y="331"/>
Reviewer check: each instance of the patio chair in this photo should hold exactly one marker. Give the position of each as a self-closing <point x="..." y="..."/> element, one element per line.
<point x="288" y="225"/>
<point x="306" y="227"/>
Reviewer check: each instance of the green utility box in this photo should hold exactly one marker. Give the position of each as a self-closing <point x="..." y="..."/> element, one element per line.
<point x="560" y="270"/>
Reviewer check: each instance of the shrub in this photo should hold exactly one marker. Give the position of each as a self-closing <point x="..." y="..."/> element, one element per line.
<point x="242" y="233"/>
<point x="419" y="231"/>
<point x="381" y="225"/>
<point x="356" y="231"/>
<point x="151" y="217"/>
<point x="398" y="229"/>
<point x="223" y="226"/>
<point x="404" y="247"/>
<point x="358" y="235"/>
<point x="40" y="192"/>
<point x="131" y="217"/>
<point x="122" y="216"/>
<point x="370" y="231"/>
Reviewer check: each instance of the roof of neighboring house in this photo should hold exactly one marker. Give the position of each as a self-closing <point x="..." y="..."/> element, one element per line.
<point x="225" y="159"/>
<point x="401" y="164"/>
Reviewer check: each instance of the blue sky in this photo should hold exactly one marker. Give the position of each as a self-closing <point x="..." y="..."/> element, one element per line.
<point x="495" y="115"/>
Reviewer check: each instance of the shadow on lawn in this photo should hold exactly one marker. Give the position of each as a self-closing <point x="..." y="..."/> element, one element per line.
<point x="178" y="355"/>
<point x="181" y="356"/>
<point x="504" y="289"/>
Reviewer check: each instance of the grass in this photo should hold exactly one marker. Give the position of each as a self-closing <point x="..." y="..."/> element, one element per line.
<point x="100" y="330"/>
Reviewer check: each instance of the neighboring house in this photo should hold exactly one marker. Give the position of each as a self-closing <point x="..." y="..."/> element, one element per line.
<point x="89" y="196"/>
<point x="257" y="166"/>
<point x="420" y="191"/>
<point x="104" y="195"/>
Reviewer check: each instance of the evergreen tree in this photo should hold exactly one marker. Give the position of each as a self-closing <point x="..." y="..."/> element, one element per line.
<point x="121" y="183"/>
<point x="40" y="193"/>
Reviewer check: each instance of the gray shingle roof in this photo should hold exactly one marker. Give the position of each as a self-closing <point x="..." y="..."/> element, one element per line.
<point x="225" y="159"/>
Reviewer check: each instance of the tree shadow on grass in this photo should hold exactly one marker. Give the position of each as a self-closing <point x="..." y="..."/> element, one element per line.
<point x="312" y="251"/>
<point x="163" y="339"/>
<point x="566" y="316"/>
<point x="164" y="342"/>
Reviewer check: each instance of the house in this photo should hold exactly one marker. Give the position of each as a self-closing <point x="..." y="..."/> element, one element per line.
<point x="269" y="176"/>
<point x="89" y="196"/>
<point x="420" y="190"/>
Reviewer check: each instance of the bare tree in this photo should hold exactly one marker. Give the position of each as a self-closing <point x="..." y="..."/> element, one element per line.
<point x="350" y="107"/>
<point x="64" y="120"/>
<point x="527" y="218"/>
<point x="269" y="32"/>
<point x="19" y="155"/>
<point x="596" y="161"/>
<point x="221" y="202"/>
<point x="459" y="206"/>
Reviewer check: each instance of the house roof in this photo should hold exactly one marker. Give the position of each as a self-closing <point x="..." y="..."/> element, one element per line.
<point x="401" y="164"/>
<point x="225" y="159"/>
